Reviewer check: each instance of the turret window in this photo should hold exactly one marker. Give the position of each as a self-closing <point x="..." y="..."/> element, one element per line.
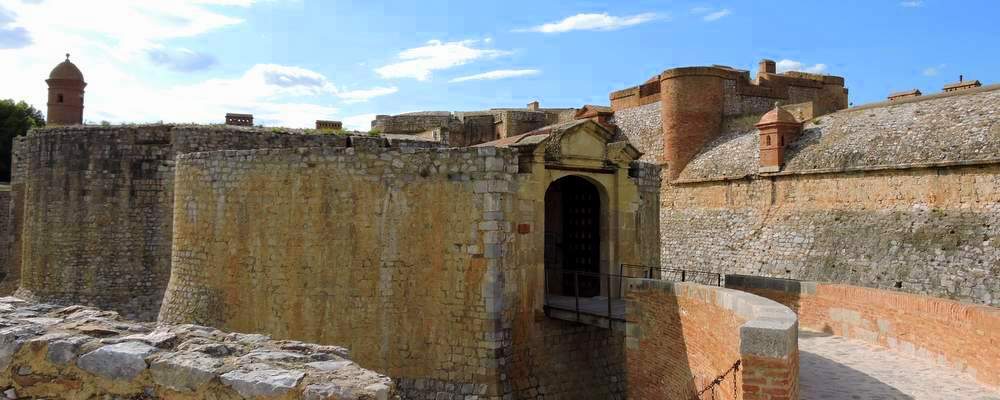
<point x="767" y="139"/>
<point x="60" y="98"/>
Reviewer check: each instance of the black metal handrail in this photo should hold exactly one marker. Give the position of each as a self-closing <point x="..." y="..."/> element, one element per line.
<point x="575" y="293"/>
<point x="673" y="274"/>
<point x="570" y="285"/>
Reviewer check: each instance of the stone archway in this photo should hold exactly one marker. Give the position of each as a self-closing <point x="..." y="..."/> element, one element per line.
<point x="573" y="237"/>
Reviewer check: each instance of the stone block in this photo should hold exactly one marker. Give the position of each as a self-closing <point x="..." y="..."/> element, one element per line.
<point x="117" y="361"/>
<point x="184" y="372"/>
<point x="262" y="382"/>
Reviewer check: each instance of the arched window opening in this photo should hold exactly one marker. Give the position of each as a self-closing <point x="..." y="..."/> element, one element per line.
<point x="59" y="98"/>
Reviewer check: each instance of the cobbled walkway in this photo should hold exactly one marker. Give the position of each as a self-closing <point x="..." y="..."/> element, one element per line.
<point x="835" y="368"/>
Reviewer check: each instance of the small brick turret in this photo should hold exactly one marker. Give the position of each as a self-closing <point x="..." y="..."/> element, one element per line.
<point x="777" y="128"/>
<point x="65" y="94"/>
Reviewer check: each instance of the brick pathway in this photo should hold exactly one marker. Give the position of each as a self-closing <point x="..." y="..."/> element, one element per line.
<point x="835" y="368"/>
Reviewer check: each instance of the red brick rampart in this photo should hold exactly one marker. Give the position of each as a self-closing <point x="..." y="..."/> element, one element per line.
<point x="681" y="336"/>
<point x="963" y="336"/>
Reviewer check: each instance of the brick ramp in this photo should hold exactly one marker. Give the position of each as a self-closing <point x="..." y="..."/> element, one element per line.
<point x="833" y="367"/>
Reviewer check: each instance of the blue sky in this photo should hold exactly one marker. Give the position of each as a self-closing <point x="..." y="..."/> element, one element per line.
<point x="291" y="62"/>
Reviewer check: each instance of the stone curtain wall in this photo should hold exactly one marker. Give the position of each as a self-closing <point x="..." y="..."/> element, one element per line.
<point x="95" y="217"/>
<point x="77" y="352"/>
<point x="641" y="125"/>
<point x="6" y="240"/>
<point x="93" y="208"/>
<point x="416" y="122"/>
<point x="385" y="251"/>
<point x="927" y="230"/>
<point x="681" y="336"/>
<point x="964" y="336"/>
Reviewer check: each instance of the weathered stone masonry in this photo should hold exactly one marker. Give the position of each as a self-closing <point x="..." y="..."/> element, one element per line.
<point x="386" y="252"/>
<point x="77" y="353"/>
<point x="427" y="263"/>
<point x="93" y="208"/>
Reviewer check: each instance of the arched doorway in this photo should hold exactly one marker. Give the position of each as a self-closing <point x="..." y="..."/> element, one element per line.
<point x="573" y="237"/>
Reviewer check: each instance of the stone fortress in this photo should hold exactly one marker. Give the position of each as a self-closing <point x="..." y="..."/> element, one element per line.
<point x="506" y="253"/>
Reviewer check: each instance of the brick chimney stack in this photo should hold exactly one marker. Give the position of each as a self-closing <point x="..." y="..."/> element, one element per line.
<point x="766" y="67"/>
<point x="777" y="128"/>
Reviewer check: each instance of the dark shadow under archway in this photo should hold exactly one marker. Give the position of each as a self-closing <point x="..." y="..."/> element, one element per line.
<point x="573" y="237"/>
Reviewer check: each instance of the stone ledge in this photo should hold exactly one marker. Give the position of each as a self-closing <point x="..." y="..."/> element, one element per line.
<point x="47" y="350"/>
<point x="347" y="150"/>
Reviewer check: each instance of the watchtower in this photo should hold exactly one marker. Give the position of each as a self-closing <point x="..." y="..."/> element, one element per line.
<point x="65" y="94"/>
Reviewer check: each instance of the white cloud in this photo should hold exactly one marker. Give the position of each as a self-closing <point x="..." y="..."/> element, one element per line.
<point x="361" y="122"/>
<point x="792" y="65"/>
<point x="122" y="48"/>
<point x="711" y="14"/>
<point x="717" y="15"/>
<point x="592" y="22"/>
<point x="270" y="92"/>
<point x="933" y="71"/>
<point x="912" y="3"/>
<point x="498" y="74"/>
<point x="358" y="96"/>
<point x="419" y="62"/>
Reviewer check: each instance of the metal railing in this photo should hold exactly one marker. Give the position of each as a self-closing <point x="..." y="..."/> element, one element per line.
<point x="580" y="292"/>
<point x="598" y="294"/>
<point x="676" y="275"/>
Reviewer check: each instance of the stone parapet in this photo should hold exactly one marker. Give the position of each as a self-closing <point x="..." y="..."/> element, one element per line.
<point x="962" y="336"/>
<point x="76" y="352"/>
<point x="682" y="336"/>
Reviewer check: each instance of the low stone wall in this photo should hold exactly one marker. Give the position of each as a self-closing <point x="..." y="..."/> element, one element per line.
<point x="48" y="351"/>
<point x="963" y="336"/>
<point x="682" y="336"/>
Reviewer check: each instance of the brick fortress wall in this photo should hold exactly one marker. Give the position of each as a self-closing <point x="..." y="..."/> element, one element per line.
<point x="698" y="103"/>
<point x="384" y="251"/>
<point x="682" y="336"/>
<point x="963" y="336"/>
<point x="93" y="209"/>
